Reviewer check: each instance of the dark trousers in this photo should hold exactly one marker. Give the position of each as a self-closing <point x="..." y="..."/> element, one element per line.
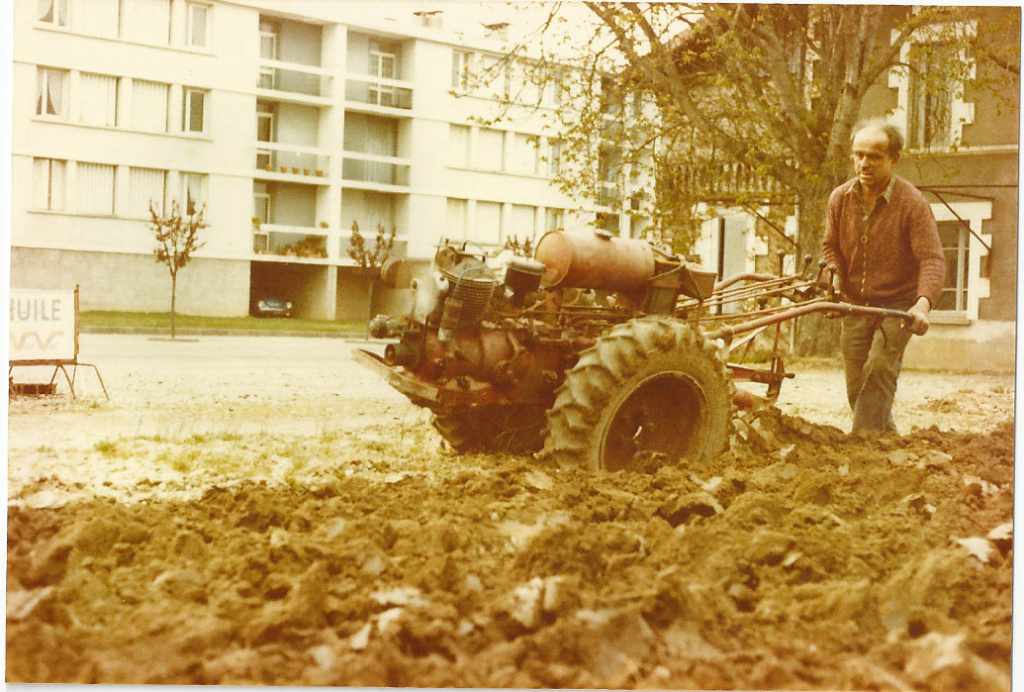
<point x="873" y="355"/>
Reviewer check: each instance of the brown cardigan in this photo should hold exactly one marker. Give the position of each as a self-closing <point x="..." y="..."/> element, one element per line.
<point x="899" y="258"/>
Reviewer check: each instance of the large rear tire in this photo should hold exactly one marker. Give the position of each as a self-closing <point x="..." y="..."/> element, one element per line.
<point x="651" y="386"/>
<point x="517" y="429"/>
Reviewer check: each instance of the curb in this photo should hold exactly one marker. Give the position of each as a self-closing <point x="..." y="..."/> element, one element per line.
<point x="159" y="331"/>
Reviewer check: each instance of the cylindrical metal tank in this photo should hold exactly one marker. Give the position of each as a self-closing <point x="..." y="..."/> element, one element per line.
<point x="594" y="260"/>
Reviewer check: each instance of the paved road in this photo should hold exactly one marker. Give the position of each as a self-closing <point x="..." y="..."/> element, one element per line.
<point x="238" y="384"/>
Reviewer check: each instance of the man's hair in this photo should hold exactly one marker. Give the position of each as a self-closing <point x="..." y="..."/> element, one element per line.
<point x="894" y="134"/>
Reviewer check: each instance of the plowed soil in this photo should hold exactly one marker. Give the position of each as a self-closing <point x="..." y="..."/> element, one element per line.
<point x="262" y="512"/>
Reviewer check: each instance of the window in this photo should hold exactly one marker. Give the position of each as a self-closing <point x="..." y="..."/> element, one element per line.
<point x="146" y="188"/>
<point x="525" y="160"/>
<point x="199" y="25"/>
<point x="462" y="65"/>
<point x="98" y="96"/>
<point x="147" y="21"/>
<point x="609" y="170"/>
<point x="523" y="221"/>
<point x="193" y="192"/>
<point x="149" y="106"/>
<point x="48" y="184"/>
<point x="554" y="220"/>
<point x="495" y="72"/>
<point x="611" y="102"/>
<point x="268" y="40"/>
<point x="487" y="229"/>
<point x="458" y="146"/>
<point x="96" y="189"/>
<point x="265" y="118"/>
<point x="457" y="218"/>
<point x="554" y="89"/>
<point x="261" y="203"/>
<point x="53" y="12"/>
<point x="383" y="60"/>
<point x="930" y="105"/>
<point x="955" y="242"/>
<point x="265" y="132"/>
<point x="193" y="115"/>
<point x="268" y="51"/>
<point x="491" y="153"/>
<point x="383" y="63"/>
<point x="554" y="157"/>
<point x="51" y="89"/>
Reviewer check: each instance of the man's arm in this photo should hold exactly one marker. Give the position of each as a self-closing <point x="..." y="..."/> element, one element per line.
<point x="830" y="240"/>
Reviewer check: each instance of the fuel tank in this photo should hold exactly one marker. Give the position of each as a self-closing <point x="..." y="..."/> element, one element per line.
<point x="594" y="260"/>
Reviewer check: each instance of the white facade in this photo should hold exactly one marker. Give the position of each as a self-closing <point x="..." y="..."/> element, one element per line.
<point x="306" y="122"/>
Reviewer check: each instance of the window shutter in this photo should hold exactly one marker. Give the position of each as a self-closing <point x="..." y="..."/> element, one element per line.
<point x="147" y="186"/>
<point x="99" y="100"/>
<point x="96" y="189"/>
<point x="149" y="106"/>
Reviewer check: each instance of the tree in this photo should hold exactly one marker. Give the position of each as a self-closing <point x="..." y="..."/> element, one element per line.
<point x="747" y="106"/>
<point x="369" y="260"/>
<point x="177" y="238"/>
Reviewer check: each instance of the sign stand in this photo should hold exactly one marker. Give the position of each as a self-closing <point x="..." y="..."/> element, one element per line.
<point x="41" y="324"/>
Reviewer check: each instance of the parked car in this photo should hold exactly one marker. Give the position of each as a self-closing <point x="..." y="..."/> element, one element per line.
<point x="272" y="307"/>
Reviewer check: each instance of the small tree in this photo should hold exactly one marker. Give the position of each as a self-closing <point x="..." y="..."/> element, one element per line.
<point x="369" y="260"/>
<point x="177" y="238"/>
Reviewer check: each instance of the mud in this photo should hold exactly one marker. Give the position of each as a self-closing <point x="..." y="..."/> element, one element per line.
<point x="367" y="554"/>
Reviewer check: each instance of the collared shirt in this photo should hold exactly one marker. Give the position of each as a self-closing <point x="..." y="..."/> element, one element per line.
<point x="887" y="253"/>
<point x="859" y="191"/>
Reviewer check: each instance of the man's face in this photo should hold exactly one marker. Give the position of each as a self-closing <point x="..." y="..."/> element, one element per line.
<point x="872" y="160"/>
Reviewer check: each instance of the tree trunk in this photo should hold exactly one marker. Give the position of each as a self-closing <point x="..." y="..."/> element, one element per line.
<point x="174" y="291"/>
<point x="816" y="335"/>
<point x="372" y="282"/>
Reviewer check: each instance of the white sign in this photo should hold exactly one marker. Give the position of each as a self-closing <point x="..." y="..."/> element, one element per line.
<point x="42" y="325"/>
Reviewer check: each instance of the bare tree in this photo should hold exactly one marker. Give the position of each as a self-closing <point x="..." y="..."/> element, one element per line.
<point x="177" y="238"/>
<point x="370" y="259"/>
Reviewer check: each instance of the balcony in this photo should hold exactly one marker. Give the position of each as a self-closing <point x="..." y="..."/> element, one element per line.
<point x="289" y="161"/>
<point x="293" y="242"/>
<point x="378" y="91"/>
<point x="375" y="170"/>
<point x="294" y="82"/>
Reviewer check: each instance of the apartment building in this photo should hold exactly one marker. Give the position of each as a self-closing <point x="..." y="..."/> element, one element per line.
<point x="287" y="122"/>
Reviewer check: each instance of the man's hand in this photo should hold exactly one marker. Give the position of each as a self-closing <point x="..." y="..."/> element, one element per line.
<point x="919" y="314"/>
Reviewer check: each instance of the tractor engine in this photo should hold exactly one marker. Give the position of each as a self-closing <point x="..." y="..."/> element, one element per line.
<point x="480" y="335"/>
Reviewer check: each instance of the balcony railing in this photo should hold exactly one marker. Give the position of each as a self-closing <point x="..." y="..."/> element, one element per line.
<point x="289" y="241"/>
<point x="290" y="78"/>
<point x="368" y="168"/>
<point x="291" y="159"/>
<point x="378" y="91"/>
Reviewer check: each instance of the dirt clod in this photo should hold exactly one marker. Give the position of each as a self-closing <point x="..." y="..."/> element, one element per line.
<point x="358" y="554"/>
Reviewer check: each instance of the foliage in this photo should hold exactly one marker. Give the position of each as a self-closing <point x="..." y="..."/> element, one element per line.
<point x="726" y="105"/>
<point x="371" y="258"/>
<point x="177" y="238"/>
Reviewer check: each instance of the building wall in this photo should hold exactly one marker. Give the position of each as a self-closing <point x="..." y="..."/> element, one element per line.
<point x="135" y="283"/>
<point x="325" y="47"/>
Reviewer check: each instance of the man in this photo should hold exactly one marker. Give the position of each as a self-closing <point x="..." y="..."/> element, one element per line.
<point x="881" y="235"/>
